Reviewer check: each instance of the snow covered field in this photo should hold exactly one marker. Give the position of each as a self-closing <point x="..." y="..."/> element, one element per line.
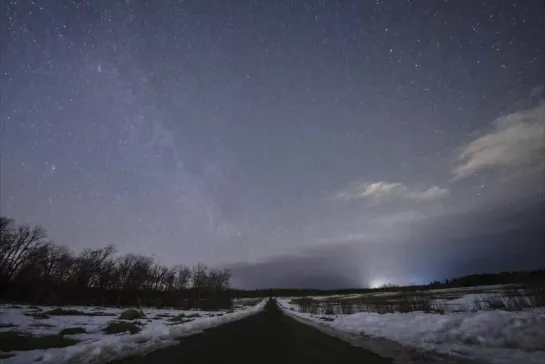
<point x="159" y="328"/>
<point x="470" y="330"/>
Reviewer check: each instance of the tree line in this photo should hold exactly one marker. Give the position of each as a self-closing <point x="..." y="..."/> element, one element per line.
<point x="34" y="269"/>
<point x="527" y="277"/>
<point x="485" y="279"/>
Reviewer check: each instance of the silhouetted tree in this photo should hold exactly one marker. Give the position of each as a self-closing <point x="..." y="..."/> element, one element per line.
<point x="35" y="269"/>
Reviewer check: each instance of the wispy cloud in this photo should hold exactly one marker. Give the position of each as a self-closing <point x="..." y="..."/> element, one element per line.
<point x="516" y="140"/>
<point x="385" y="191"/>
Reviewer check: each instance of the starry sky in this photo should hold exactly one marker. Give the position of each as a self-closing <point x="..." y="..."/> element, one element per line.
<point x="300" y="143"/>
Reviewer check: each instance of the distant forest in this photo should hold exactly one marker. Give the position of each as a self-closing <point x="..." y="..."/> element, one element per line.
<point x="35" y="270"/>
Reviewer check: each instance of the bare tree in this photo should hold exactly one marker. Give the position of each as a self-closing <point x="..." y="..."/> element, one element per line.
<point x="219" y="279"/>
<point x="89" y="266"/>
<point x="17" y="246"/>
<point x="199" y="276"/>
<point x="31" y="267"/>
<point x="183" y="277"/>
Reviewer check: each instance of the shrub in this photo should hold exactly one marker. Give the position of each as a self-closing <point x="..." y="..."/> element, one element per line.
<point x="132" y="314"/>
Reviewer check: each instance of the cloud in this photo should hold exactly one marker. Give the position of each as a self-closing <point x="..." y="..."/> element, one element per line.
<point x="516" y="141"/>
<point x="381" y="191"/>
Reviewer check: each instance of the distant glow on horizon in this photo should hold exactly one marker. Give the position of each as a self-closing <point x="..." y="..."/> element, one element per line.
<point x="408" y="281"/>
<point x="378" y="282"/>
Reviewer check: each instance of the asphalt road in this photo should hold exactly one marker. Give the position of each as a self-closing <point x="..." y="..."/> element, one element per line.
<point x="267" y="337"/>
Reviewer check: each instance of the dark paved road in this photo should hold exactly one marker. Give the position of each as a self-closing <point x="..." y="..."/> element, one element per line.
<point x="267" y="337"/>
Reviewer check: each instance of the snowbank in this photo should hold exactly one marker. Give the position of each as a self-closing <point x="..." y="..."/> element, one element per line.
<point x="493" y="336"/>
<point x="97" y="347"/>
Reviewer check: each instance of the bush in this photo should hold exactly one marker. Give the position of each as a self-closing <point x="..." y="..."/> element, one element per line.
<point x="132" y="314"/>
<point x="117" y="327"/>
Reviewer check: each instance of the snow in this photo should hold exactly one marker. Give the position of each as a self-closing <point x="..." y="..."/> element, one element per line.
<point x="97" y="347"/>
<point x="493" y="336"/>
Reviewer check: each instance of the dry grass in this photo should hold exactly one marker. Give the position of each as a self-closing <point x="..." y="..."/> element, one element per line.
<point x="400" y="302"/>
<point x="512" y="298"/>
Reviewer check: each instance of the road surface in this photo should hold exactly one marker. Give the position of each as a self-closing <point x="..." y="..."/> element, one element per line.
<point x="266" y="337"/>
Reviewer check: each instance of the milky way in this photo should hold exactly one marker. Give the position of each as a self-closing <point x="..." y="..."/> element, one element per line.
<point x="343" y="139"/>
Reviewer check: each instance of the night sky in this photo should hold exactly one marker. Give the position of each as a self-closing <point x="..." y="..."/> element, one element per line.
<point x="301" y="143"/>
